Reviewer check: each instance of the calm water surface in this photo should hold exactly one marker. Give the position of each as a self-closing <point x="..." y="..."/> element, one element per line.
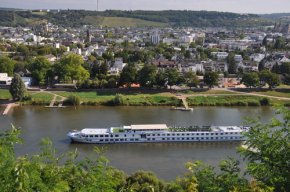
<point x="167" y="160"/>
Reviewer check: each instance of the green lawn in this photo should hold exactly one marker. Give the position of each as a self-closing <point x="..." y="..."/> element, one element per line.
<point x="129" y="98"/>
<point x="42" y="96"/>
<point x="4" y="94"/>
<point x="224" y="100"/>
<point x="275" y="93"/>
<point x="207" y="92"/>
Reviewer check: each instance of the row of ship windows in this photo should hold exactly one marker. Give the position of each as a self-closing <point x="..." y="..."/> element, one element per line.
<point x="188" y="134"/>
<point x="174" y="139"/>
<point x="168" y="134"/>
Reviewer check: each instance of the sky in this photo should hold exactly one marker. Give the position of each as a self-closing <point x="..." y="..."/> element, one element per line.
<point x="237" y="6"/>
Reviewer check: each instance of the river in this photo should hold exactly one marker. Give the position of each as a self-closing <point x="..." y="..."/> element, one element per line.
<point x="167" y="160"/>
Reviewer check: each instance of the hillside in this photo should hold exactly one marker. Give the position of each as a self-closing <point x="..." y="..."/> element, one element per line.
<point x="113" y="18"/>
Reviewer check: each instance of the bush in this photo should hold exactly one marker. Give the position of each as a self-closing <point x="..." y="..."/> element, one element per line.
<point x="253" y="103"/>
<point x="73" y="100"/>
<point x="265" y="101"/>
<point x="119" y="99"/>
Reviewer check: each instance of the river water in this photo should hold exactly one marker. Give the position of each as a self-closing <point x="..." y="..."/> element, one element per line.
<point x="167" y="160"/>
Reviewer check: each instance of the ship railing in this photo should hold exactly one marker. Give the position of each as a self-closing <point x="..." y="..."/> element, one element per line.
<point x="190" y="128"/>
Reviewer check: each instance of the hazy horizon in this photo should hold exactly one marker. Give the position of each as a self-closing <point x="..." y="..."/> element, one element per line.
<point x="236" y="6"/>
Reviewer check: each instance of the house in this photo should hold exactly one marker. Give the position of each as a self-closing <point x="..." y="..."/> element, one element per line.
<point x="257" y="57"/>
<point x="220" y="55"/>
<point x="238" y="58"/>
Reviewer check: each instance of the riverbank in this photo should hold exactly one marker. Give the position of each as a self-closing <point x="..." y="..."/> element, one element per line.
<point x="211" y="97"/>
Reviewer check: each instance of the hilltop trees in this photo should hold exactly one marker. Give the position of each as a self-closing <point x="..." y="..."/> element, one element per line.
<point x="17" y="88"/>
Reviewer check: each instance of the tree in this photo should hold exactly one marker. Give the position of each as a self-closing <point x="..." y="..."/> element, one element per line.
<point x="6" y="65"/>
<point x="276" y="69"/>
<point x="211" y="79"/>
<point x="232" y="63"/>
<point x="147" y="76"/>
<point x="250" y="79"/>
<point x="39" y="68"/>
<point x="261" y="66"/>
<point x="70" y="68"/>
<point x="271" y="79"/>
<point x="187" y="54"/>
<point x="160" y="79"/>
<point x="17" y="88"/>
<point x="172" y="76"/>
<point x="280" y="43"/>
<point x="143" y="181"/>
<point x="268" y="151"/>
<point x="191" y="79"/>
<point x="128" y="75"/>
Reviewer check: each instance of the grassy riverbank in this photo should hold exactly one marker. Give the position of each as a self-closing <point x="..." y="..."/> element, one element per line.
<point x="229" y="100"/>
<point x="143" y="98"/>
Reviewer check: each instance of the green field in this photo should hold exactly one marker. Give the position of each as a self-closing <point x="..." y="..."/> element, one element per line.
<point x="121" y="22"/>
<point x="207" y="92"/>
<point x="275" y="93"/>
<point x="92" y="98"/>
<point x="226" y="101"/>
<point x="4" y="94"/>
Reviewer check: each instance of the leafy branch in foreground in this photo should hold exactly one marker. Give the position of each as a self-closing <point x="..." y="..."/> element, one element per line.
<point x="268" y="151"/>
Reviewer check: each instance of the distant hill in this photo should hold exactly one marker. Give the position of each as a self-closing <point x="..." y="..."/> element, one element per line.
<point x="275" y="16"/>
<point x="113" y="18"/>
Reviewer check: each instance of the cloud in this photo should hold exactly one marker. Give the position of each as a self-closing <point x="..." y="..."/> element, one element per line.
<point x="240" y="6"/>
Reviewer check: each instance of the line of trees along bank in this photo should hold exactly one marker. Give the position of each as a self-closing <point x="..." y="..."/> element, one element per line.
<point x="71" y="68"/>
<point x="267" y="157"/>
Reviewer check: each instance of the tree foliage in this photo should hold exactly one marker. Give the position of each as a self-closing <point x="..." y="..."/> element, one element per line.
<point x="211" y="79"/>
<point x="271" y="79"/>
<point x="70" y="68"/>
<point x="232" y="63"/>
<point x="128" y="75"/>
<point x="191" y="79"/>
<point x="147" y="76"/>
<point x="250" y="79"/>
<point x="39" y="70"/>
<point x="268" y="151"/>
<point x="17" y="88"/>
<point x="172" y="76"/>
<point x="7" y="65"/>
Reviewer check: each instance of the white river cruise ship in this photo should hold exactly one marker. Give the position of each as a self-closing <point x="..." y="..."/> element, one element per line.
<point x="157" y="133"/>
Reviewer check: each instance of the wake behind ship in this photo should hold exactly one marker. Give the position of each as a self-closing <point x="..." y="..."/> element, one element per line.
<point x="151" y="133"/>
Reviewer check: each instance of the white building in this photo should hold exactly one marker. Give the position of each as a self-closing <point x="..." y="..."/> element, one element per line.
<point x="220" y="55"/>
<point x="57" y="45"/>
<point x="238" y="58"/>
<point x="155" y="37"/>
<point x="119" y="63"/>
<point x="4" y="79"/>
<point x="257" y="57"/>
